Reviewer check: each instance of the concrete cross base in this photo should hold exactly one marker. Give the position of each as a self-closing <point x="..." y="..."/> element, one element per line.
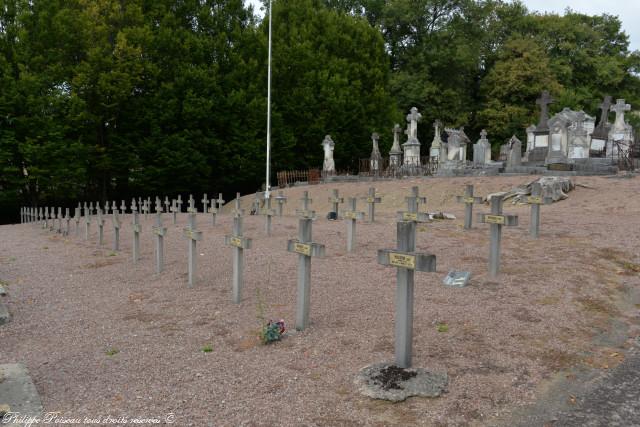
<point x="386" y="381"/>
<point x="5" y="317"/>
<point x="19" y="394"/>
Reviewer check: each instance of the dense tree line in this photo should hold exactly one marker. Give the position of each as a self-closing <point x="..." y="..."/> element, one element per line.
<point x="104" y="99"/>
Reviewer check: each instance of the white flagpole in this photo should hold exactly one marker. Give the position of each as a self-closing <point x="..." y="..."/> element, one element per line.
<point x="268" y="185"/>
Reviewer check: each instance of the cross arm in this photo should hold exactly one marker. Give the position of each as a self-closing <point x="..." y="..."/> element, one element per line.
<point x="539" y="200"/>
<point x="409" y="260"/>
<point x="160" y="231"/>
<point x="268" y="212"/>
<point x="413" y="216"/>
<point x="238" y="242"/>
<point x="192" y="234"/>
<point x="419" y="199"/>
<point x="336" y="199"/>
<point x="303" y="214"/>
<point x="370" y="199"/>
<point x="508" y="220"/>
<point x="469" y="199"/>
<point x="352" y="214"/>
<point x="308" y="248"/>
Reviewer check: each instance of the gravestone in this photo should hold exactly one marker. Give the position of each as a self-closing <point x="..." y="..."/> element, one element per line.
<point x="268" y="213"/>
<point x="371" y="200"/>
<point x="542" y="129"/>
<point x="213" y="211"/>
<point x="468" y="199"/>
<point x="514" y="152"/>
<point x="412" y="146"/>
<point x="482" y="150"/>
<point x="60" y="217"/>
<point x="600" y="134"/>
<point x="239" y="244"/>
<point x="535" y="200"/>
<point x="193" y="236"/>
<point x="115" y="221"/>
<point x="305" y="248"/>
<point x="335" y="200"/>
<point x="328" y="166"/>
<point x="435" y="154"/>
<point x="100" y="227"/>
<point x="45" y="222"/>
<point x="395" y="154"/>
<point x="497" y="220"/>
<point x="166" y="204"/>
<point x="375" y="160"/>
<point x="205" y="203"/>
<point x="76" y="218"/>
<point x="174" y="210"/>
<point x="145" y="209"/>
<point x="159" y="232"/>
<point x="281" y="199"/>
<point x="123" y="208"/>
<point x="255" y="206"/>
<point x="407" y="261"/>
<point x="413" y="206"/>
<point x="106" y="208"/>
<point x="621" y="136"/>
<point x="179" y="203"/>
<point x="67" y="219"/>
<point x="137" y="228"/>
<point x="351" y="216"/>
<point x="87" y="221"/>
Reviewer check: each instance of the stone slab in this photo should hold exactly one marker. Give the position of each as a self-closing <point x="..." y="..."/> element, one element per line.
<point x="3" y="291"/>
<point x="5" y="317"/>
<point x="386" y="381"/>
<point x="457" y="279"/>
<point x="18" y="392"/>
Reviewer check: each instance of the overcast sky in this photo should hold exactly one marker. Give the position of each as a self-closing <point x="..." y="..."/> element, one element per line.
<point x="627" y="10"/>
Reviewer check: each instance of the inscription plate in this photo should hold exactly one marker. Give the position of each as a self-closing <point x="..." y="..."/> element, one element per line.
<point x="468" y="200"/>
<point x="409" y="216"/>
<point x="535" y="200"/>
<point x="494" y="219"/>
<point x="371" y="200"/>
<point x="402" y="260"/>
<point x="302" y="248"/>
<point x="351" y="215"/>
<point x="235" y="241"/>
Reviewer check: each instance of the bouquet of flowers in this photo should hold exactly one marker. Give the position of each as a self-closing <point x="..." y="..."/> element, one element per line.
<point x="272" y="331"/>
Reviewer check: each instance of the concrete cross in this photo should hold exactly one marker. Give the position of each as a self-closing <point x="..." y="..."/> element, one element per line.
<point x="205" y="203"/>
<point x="45" y="223"/>
<point x="281" y="199"/>
<point x="544" y="101"/>
<point x="220" y="202"/>
<point x="413" y="205"/>
<point x="90" y="208"/>
<point x="351" y="216"/>
<point x="145" y="208"/>
<point x="100" y="227"/>
<point x="60" y="217"/>
<point x="335" y="200"/>
<point x="305" y="248"/>
<point x="106" y="208"/>
<point x="123" y="208"/>
<point x="407" y="262"/>
<point x="174" y="210"/>
<point x="87" y="221"/>
<point x="268" y="213"/>
<point x="160" y="232"/>
<point x="193" y="235"/>
<point x="114" y="206"/>
<point x="115" y="221"/>
<point x="413" y="118"/>
<point x="305" y="212"/>
<point x="371" y="200"/>
<point x="137" y="228"/>
<point x="76" y="218"/>
<point x="535" y="200"/>
<point x="619" y="108"/>
<point x="67" y="219"/>
<point x="239" y="243"/>
<point x="468" y="199"/>
<point x="166" y="204"/>
<point x="605" y="108"/>
<point x="255" y="206"/>
<point x="179" y="203"/>
<point x="497" y="221"/>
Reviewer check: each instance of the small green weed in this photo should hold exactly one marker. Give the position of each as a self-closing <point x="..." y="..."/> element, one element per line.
<point x="207" y="348"/>
<point x="112" y="352"/>
<point x="443" y="327"/>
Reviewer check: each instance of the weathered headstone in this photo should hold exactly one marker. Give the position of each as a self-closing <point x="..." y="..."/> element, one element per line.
<point x="160" y="232"/>
<point x="167" y="203"/>
<point x="328" y="166"/>
<point x="497" y="220"/>
<point x="407" y="262"/>
<point x="239" y="243"/>
<point x="281" y="199"/>
<point x="115" y="221"/>
<point x="136" y="231"/>
<point x="535" y="200"/>
<point x="351" y="216"/>
<point x="179" y="203"/>
<point x="375" y="160"/>
<point x="335" y="200"/>
<point x="305" y="248"/>
<point x="468" y="199"/>
<point x="371" y="200"/>
<point x="193" y="235"/>
<point x="412" y="146"/>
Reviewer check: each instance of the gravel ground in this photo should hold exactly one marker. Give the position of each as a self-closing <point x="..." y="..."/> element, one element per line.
<point x="103" y="336"/>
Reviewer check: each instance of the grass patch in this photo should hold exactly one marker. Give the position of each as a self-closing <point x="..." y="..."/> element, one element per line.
<point x="112" y="352"/>
<point x="207" y="348"/>
<point x="594" y="305"/>
<point x="548" y="300"/>
<point x="442" y="327"/>
<point x="112" y="254"/>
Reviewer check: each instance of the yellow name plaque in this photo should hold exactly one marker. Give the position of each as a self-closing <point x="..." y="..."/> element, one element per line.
<point x="402" y="260"/>
<point x="350" y="215"/>
<point x="468" y="200"/>
<point x="408" y="216"/>
<point x="235" y="241"/>
<point x="371" y="200"/>
<point x="535" y="200"/>
<point x="302" y="248"/>
<point x="494" y="219"/>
